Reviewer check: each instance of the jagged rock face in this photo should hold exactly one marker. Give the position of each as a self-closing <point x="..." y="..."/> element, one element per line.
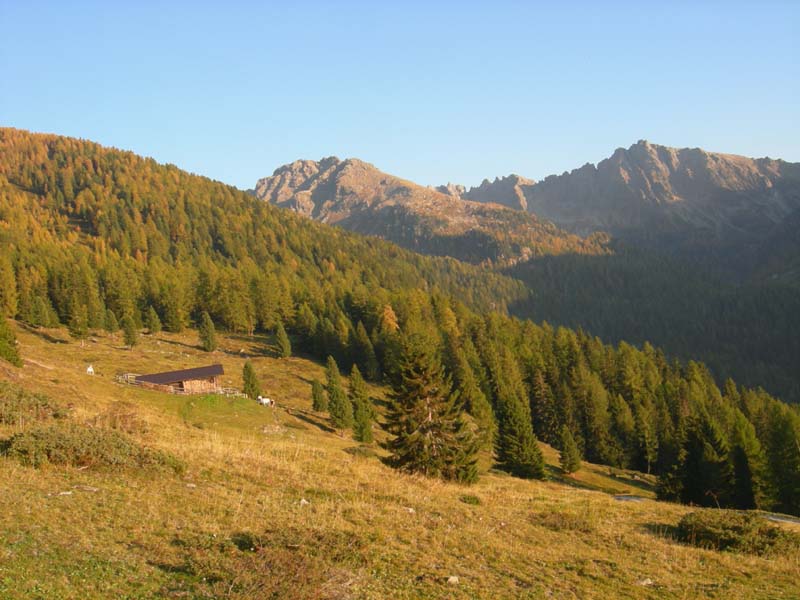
<point x="508" y="191"/>
<point x="452" y="189"/>
<point x="359" y="197"/>
<point x="654" y="186"/>
<point x="724" y="208"/>
<point x="333" y="190"/>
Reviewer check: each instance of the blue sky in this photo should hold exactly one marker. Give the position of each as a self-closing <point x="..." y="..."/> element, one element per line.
<point x="430" y="91"/>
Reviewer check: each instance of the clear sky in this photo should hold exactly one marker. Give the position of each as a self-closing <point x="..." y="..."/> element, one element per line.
<point x="430" y="91"/>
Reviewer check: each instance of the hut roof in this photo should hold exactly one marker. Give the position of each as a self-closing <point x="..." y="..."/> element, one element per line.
<point x="183" y="375"/>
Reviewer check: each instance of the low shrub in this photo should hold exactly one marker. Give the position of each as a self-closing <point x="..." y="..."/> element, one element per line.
<point x="291" y="564"/>
<point x="470" y="499"/>
<point x="562" y="521"/>
<point x="121" y="416"/>
<point x="85" y="446"/>
<point x="20" y="407"/>
<point x="362" y="451"/>
<point x="735" y="531"/>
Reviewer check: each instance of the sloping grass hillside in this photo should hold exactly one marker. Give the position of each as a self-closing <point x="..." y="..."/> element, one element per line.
<point x="271" y="503"/>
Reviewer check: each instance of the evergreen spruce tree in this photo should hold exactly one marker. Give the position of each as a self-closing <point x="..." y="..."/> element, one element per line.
<point x="8" y="344"/>
<point x="704" y="473"/>
<point x="319" y="402"/>
<point x="208" y="335"/>
<point x="79" y="322"/>
<point x="153" y="323"/>
<point x="251" y="385"/>
<point x="570" y="457"/>
<point x="284" y="345"/>
<point x="305" y="325"/>
<point x="362" y="408"/>
<point x="130" y="333"/>
<point x="111" y="324"/>
<point x="42" y="313"/>
<point x="517" y="449"/>
<point x="747" y="464"/>
<point x="339" y="406"/>
<point x="469" y="390"/>
<point x="426" y="419"/>
<point x="364" y="353"/>
<point x="543" y="407"/>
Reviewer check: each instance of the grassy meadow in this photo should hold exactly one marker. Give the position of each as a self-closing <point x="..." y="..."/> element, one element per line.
<point x="275" y="504"/>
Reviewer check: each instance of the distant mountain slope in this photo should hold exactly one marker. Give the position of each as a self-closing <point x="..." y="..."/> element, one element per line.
<point x="359" y="197"/>
<point x="720" y="206"/>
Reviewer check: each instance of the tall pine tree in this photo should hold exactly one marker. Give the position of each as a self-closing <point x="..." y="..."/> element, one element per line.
<point x="362" y="408"/>
<point x="319" y="402"/>
<point x="153" y="323"/>
<point x="284" y="345"/>
<point x="130" y="333"/>
<point x="79" y="323"/>
<point x="208" y="334"/>
<point x="517" y="449"/>
<point x="251" y="385"/>
<point x="426" y="419"/>
<point x="339" y="406"/>
<point x="570" y="456"/>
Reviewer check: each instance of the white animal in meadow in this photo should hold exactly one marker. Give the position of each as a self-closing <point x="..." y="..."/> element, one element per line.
<point x="90" y="370"/>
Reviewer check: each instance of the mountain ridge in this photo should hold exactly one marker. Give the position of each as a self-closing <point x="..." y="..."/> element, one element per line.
<point x="685" y="200"/>
<point x="356" y="195"/>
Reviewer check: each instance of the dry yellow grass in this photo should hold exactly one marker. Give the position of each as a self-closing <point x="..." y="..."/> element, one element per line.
<point x="236" y="525"/>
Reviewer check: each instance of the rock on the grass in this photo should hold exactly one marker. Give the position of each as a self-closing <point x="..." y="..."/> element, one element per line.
<point x="304" y="502"/>
<point x="452" y="580"/>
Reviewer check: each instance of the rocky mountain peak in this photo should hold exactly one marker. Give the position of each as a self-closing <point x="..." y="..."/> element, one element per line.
<point x="451" y="189"/>
<point x="508" y="191"/>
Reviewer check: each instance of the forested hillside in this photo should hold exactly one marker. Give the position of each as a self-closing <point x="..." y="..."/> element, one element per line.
<point x="750" y="332"/>
<point x="94" y="236"/>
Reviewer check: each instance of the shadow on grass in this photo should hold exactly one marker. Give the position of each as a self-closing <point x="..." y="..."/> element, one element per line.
<point x="664" y="531"/>
<point x="43" y="334"/>
<point x="362" y="451"/>
<point x="232" y="353"/>
<point x="311" y="419"/>
<point x="245" y="541"/>
<point x="171" y="569"/>
<point x="632" y="481"/>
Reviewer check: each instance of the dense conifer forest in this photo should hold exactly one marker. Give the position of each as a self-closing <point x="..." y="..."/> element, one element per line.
<point x="94" y="237"/>
<point x="747" y="330"/>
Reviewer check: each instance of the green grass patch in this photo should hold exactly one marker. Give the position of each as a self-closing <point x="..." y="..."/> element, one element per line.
<point x="212" y="409"/>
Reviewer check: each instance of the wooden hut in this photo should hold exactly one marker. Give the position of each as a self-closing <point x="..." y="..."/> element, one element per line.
<point x="200" y="380"/>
